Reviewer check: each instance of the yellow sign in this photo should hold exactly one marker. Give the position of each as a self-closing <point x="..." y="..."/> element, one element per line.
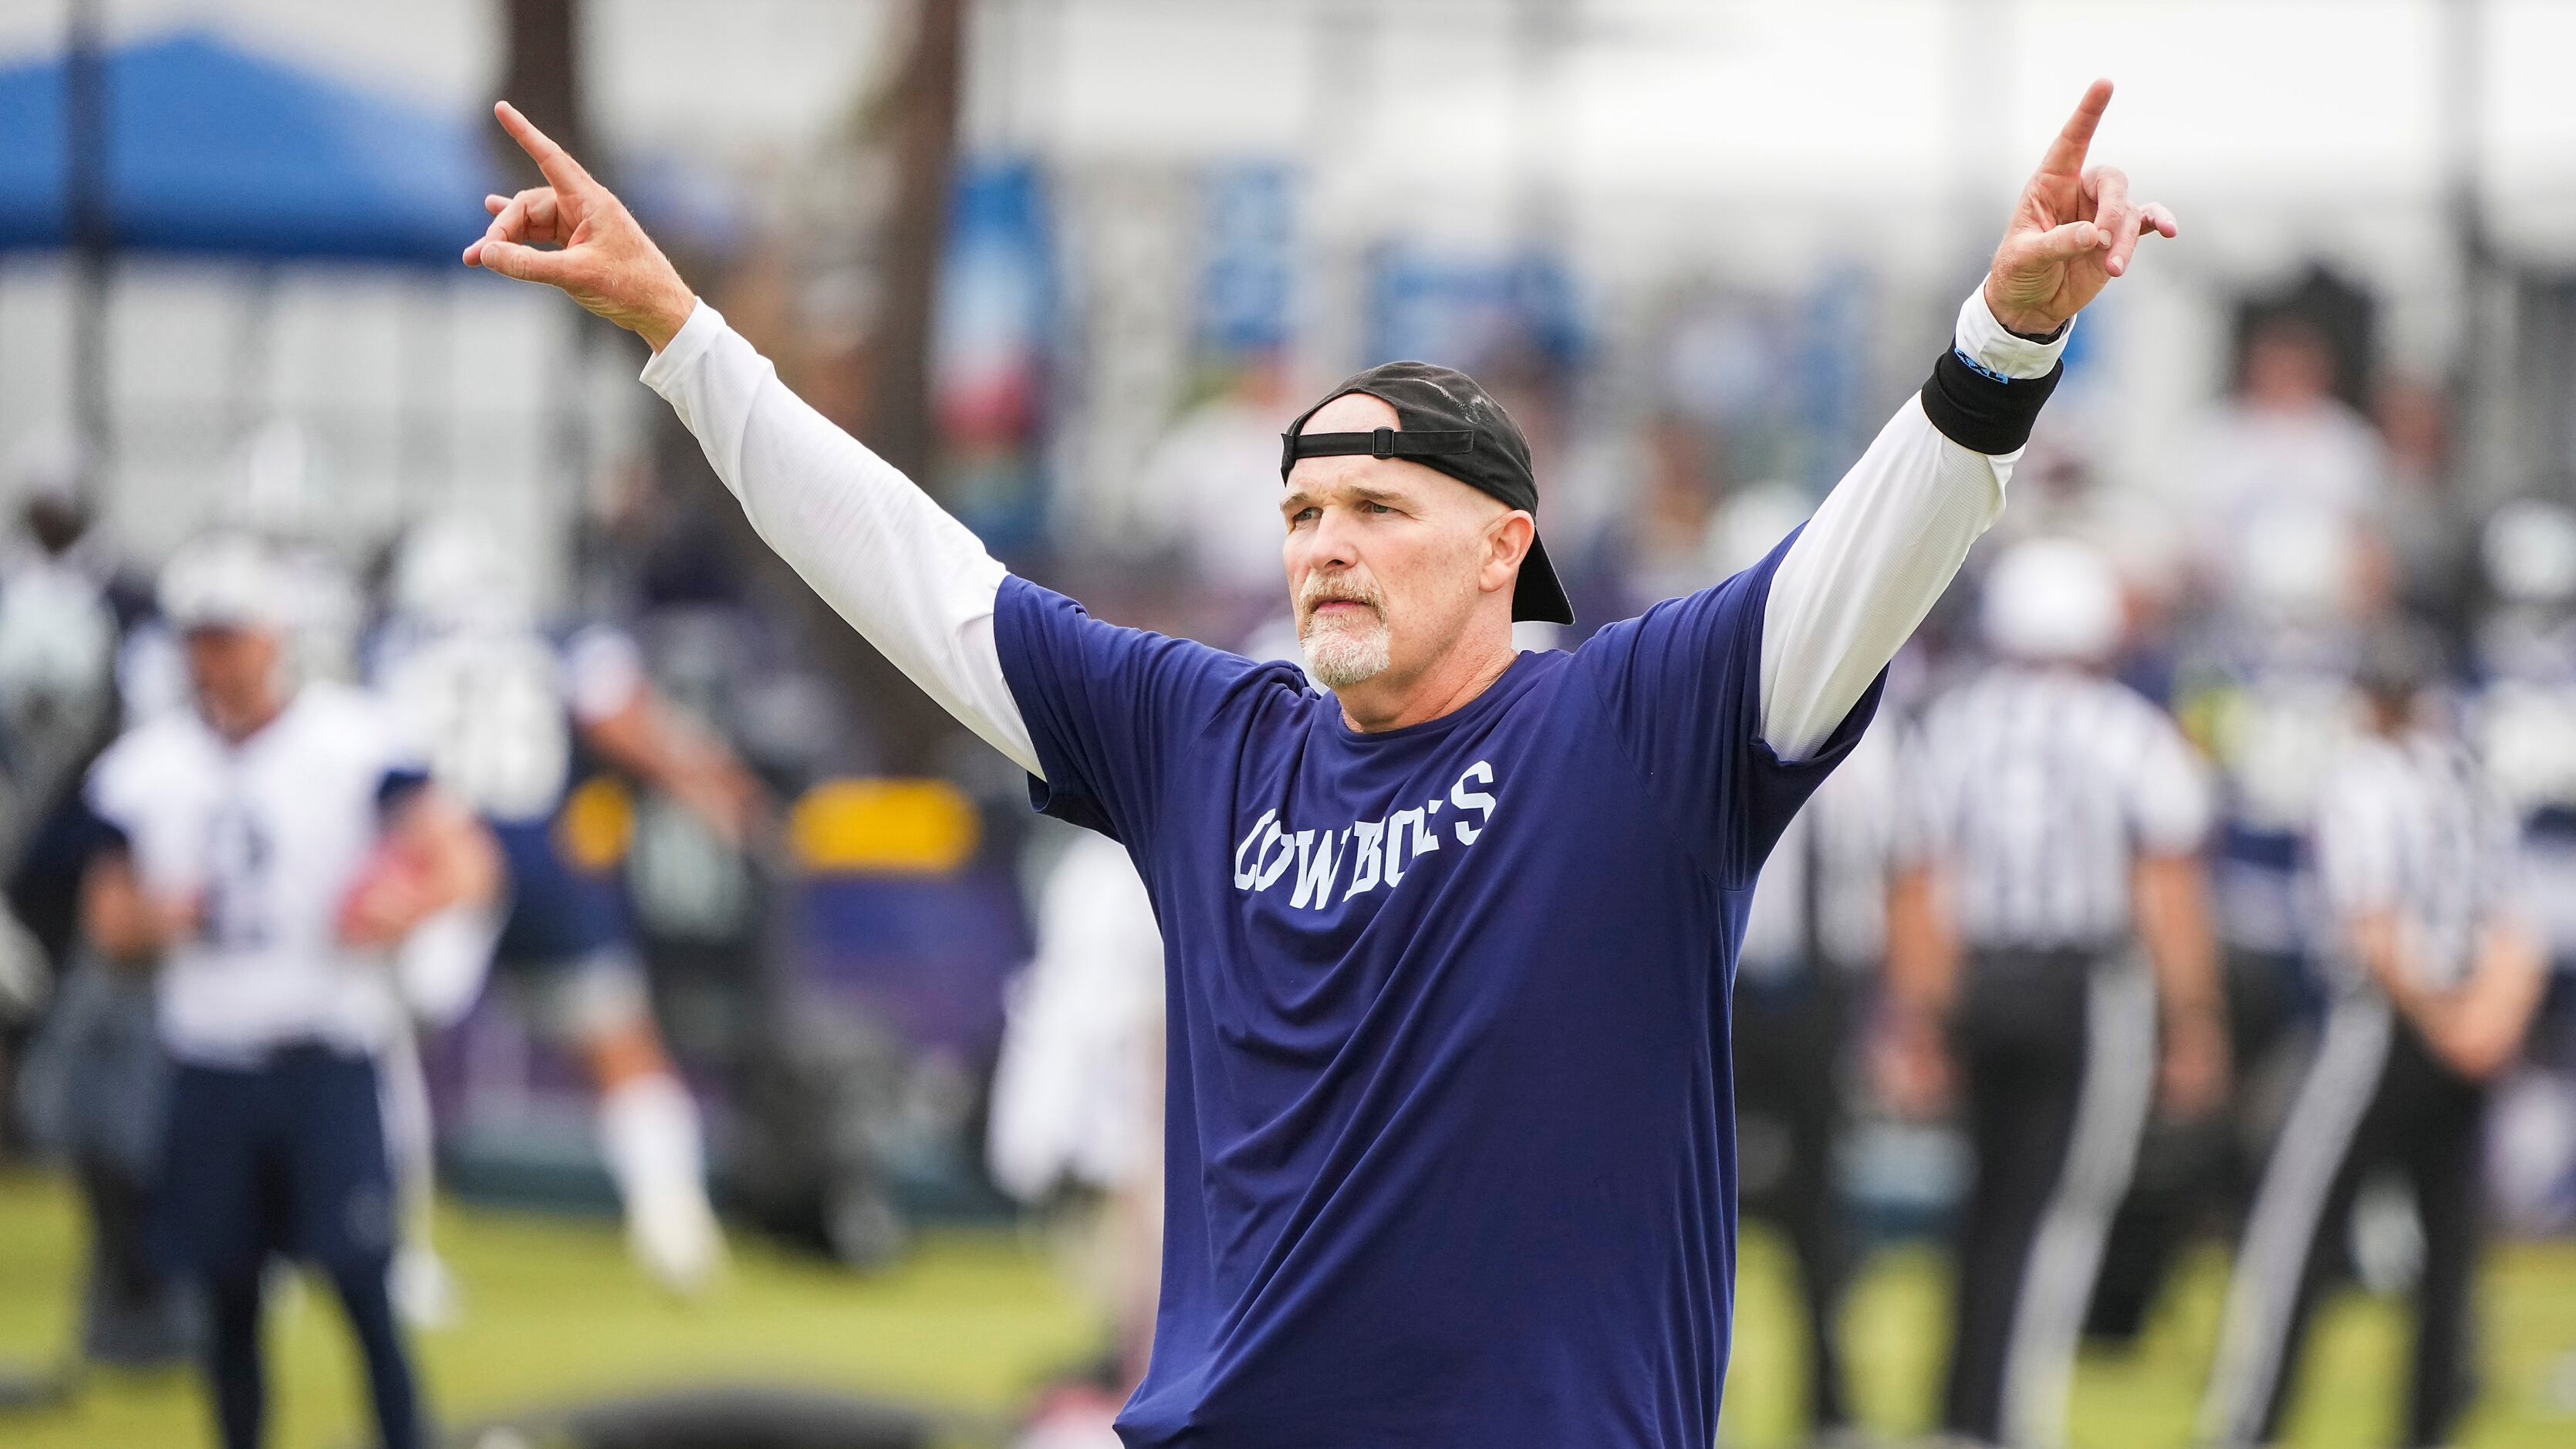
<point x="597" y="824"/>
<point x="906" y="827"/>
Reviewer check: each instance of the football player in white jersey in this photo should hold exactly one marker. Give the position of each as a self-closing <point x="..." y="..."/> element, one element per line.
<point x="266" y="853"/>
<point x="526" y="730"/>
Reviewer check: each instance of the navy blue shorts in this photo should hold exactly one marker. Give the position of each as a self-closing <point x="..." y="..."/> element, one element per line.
<point x="284" y="1159"/>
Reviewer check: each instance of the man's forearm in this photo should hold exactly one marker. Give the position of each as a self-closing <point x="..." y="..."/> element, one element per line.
<point x="2173" y="925"/>
<point x="910" y="578"/>
<point x="1892" y="534"/>
<point x="1922" y="950"/>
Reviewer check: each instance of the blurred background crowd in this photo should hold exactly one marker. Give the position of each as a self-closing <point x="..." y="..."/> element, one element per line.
<point x="1072" y="264"/>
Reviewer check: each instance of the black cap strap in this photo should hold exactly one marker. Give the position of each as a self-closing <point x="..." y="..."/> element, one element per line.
<point x="1384" y="443"/>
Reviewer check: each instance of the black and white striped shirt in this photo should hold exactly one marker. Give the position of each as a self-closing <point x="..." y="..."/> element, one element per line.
<point x="2036" y="790"/>
<point x="2411" y="825"/>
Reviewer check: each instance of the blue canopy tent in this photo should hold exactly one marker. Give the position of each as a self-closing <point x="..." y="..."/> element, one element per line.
<point x="203" y="151"/>
<point x="212" y="150"/>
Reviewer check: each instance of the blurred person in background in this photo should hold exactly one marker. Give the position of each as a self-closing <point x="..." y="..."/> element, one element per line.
<point x="93" y="1077"/>
<point x="2284" y="444"/>
<point x="2055" y="830"/>
<point x="262" y="854"/>
<point x="1813" y="941"/>
<point x="1190" y="492"/>
<point x="58" y="633"/>
<point x="2436" y="976"/>
<point x="1667" y="545"/>
<point x="63" y="605"/>
<point x="2432" y="531"/>
<point x="1078" y="1101"/>
<point x="1427" y="1180"/>
<point x="531" y="733"/>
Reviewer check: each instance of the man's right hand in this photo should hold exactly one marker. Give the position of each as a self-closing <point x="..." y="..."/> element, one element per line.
<point x="2071" y="233"/>
<point x="603" y="259"/>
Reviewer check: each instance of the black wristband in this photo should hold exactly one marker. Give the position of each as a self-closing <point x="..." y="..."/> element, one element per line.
<point x="1982" y="410"/>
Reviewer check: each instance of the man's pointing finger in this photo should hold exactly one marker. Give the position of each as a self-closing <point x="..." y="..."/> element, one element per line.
<point x="553" y="160"/>
<point x="2066" y="154"/>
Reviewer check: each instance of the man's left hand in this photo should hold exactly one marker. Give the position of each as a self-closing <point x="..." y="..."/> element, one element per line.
<point x="2073" y="231"/>
<point x="602" y="258"/>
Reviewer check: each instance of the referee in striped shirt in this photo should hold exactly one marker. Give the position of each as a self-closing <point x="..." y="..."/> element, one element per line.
<point x="2438" y="977"/>
<point x="2057" y="819"/>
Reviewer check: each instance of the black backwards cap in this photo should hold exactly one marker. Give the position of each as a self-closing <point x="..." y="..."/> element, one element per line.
<point x="1449" y="423"/>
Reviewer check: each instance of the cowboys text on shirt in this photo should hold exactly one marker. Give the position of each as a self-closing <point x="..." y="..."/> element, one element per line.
<point x="1370" y="854"/>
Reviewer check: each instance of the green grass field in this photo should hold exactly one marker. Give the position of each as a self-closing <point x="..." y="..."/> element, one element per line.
<point x="974" y="1318"/>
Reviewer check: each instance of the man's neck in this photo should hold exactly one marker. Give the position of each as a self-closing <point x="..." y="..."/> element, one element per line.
<point x="1448" y="686"/>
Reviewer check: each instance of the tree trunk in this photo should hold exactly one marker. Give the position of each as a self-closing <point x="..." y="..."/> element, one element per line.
<point x="543" y="80"/>
<point x="889" y="377"/>
<point x="918" y="125"/>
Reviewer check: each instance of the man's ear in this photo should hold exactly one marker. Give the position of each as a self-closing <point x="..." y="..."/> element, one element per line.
<point x="1507" y="543"/>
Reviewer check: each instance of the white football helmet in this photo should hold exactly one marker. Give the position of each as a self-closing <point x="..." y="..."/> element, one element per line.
<point x="229" y="580"/>
<point x="2054" y="600"/>
<point x="454" y="570"/>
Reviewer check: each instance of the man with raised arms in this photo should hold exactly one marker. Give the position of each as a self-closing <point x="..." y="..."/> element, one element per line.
<point x="1450" y="1142"/>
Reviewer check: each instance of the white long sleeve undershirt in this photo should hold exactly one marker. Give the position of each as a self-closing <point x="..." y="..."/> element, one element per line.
<point x="910" y="578"/>
<point x="1881" y="548"/>
<point x="921" y="588"/>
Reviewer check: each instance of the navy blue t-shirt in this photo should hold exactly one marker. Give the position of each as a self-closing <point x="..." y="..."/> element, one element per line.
<point x="1450" y="1138"/>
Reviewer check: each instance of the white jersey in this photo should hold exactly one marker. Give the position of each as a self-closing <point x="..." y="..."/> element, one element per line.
<point x="496" y="708"/>
<point x="270" y="835"/>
